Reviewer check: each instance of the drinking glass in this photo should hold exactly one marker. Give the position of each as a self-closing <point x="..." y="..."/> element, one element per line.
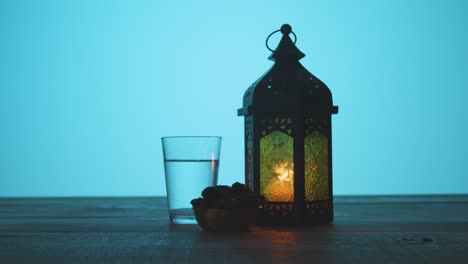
<point x="191" y="164"/>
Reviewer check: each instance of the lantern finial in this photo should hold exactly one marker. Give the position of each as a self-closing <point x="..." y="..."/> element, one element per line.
<point x="286" y="29"/>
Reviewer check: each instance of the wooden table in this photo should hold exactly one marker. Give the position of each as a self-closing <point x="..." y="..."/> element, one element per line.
<point x="423" y="229"/>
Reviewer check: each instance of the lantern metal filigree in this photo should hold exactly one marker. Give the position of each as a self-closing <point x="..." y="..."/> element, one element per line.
<point x="288" y="146"/>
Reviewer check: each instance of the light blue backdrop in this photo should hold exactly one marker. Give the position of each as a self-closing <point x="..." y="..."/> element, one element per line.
<point x="87" y="88"/>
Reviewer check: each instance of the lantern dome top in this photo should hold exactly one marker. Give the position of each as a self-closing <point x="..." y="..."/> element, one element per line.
<point x="286" y="49"/>
<point x="287" y="87"/>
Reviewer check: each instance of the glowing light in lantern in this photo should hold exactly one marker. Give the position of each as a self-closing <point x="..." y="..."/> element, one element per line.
<point x="283" y="173"/>
<point x="282" y="188"/>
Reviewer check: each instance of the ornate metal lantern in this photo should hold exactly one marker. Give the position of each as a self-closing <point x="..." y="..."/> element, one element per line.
<point x="288" y="150"/>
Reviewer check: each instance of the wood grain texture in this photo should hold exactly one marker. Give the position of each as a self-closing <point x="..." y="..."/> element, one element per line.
<point x="426" y="229"/>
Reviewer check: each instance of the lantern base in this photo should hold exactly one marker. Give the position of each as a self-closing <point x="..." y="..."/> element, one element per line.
<point x="293" y="214"/>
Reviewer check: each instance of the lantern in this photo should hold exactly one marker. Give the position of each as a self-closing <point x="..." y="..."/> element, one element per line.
<point x="288" y="143"/>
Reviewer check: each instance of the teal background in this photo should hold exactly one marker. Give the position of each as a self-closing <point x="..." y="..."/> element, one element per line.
<point x="87" y="88"/>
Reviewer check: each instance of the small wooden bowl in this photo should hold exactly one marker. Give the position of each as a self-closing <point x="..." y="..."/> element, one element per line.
<point x="225" y="220"/>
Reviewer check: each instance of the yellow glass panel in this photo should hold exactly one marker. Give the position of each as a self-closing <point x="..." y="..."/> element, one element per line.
<point x="316" y="167"/>
<point x="277" y="167"/>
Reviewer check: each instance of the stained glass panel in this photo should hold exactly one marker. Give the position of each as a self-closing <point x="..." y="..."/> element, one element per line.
<point x="316" y="166"/>
<point x="277" y="167"/>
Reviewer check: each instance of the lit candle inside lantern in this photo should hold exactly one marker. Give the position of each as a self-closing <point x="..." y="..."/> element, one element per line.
<point x="282" y="188"/>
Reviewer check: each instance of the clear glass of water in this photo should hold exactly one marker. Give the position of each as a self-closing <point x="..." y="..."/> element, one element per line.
<point x="190" y="164"/>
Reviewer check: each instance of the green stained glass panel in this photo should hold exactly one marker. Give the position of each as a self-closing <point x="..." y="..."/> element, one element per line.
<point x="316" y="167"/>
<point x="277" y="167"/>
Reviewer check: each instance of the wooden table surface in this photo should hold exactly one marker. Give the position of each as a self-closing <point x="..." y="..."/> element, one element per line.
<point x="381" y="229"/>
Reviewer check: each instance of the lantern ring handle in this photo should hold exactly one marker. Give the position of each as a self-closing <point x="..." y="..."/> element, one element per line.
<point x="272" y="33"/>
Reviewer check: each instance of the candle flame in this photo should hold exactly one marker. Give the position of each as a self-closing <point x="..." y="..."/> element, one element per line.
<point x="283" y="173"/>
